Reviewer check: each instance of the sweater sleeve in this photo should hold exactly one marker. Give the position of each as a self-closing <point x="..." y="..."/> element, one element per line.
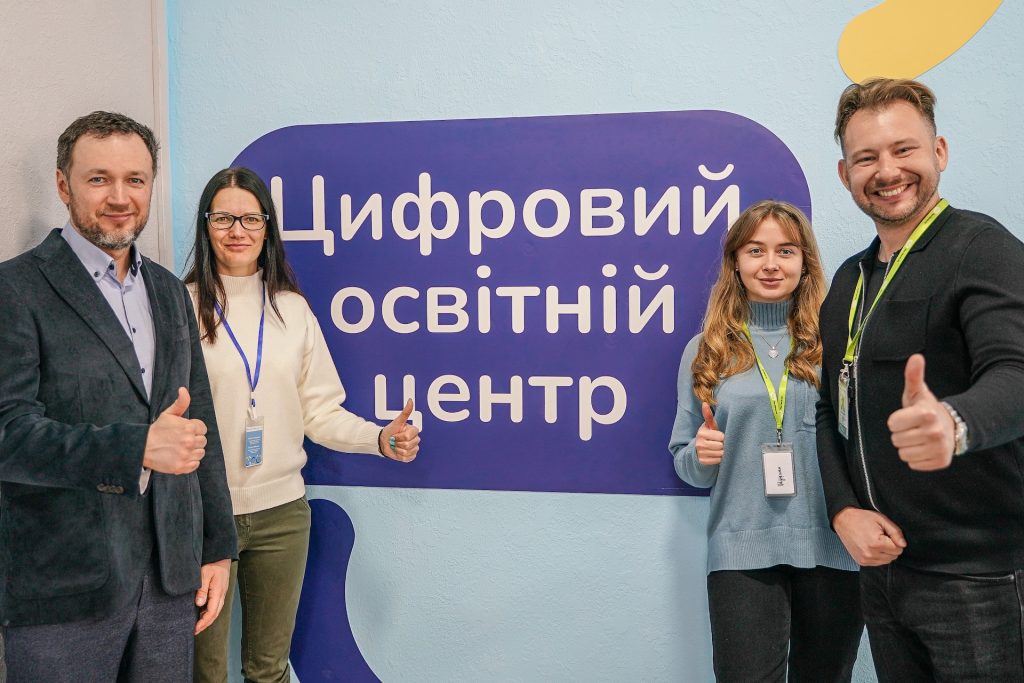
<point x="688" y="421"/>
<point x="321" y="394"/>
<point x="990" y="288"/>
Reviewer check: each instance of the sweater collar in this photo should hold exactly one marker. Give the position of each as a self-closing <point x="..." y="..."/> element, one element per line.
<point x="769" y="316"/>
<point x="247" y="285"/>
<point x="872" y="251"/>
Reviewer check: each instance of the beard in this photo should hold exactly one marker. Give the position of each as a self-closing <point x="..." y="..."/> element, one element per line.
<point x="89" y="227"/>
<point x="927" y="188"/>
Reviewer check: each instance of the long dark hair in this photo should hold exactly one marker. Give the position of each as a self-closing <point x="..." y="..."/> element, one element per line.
<point x="277" y="274"/>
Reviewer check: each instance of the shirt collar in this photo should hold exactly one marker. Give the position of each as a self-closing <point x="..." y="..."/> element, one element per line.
<point x="95" y="260"/>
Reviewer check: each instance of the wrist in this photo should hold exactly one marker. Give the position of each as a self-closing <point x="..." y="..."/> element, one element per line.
<point x="960" y="441"/>
<point x="842" y="514"/>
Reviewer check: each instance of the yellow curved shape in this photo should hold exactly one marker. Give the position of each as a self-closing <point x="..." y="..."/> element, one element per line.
<point x="905" y="38"/>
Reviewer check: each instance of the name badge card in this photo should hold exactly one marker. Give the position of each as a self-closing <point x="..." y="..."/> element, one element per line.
<point x="779" y="477"/>
<point x="253" y="445"/>
<point x="844" y="405"/>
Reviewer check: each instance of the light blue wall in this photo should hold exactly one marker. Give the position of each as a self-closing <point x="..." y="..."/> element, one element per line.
<point x="455" y="585"/>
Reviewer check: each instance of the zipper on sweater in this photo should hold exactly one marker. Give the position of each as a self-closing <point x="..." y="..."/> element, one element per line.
<point x="863" y="321"/>
<point x="860" y="436"/>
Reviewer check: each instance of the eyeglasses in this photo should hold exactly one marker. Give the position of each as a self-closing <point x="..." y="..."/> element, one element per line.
<point x="222" y="220"/>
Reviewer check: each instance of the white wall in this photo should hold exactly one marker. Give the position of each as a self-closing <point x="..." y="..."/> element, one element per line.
<point x="61" y="60"/>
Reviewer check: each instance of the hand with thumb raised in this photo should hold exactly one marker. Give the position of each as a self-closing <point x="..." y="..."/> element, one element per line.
<point x="175" y="444"/>
<point x="914" y="388"/>
<point x="922" y="430"/>
<point x="181" y="403"/>
<point x="709" y="443"/>
<point x="400" y="440"/>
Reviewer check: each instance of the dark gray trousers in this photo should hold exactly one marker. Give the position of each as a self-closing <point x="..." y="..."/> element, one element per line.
<point x="148" y="640"/>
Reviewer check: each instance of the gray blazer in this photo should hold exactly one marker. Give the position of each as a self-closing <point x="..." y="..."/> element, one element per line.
<point x="76" y="536"/>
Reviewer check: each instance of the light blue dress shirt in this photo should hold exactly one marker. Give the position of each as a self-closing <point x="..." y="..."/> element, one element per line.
<point x="128" y="300"/>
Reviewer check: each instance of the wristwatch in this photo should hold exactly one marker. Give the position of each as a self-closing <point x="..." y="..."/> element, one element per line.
<point x="959" y="430"/>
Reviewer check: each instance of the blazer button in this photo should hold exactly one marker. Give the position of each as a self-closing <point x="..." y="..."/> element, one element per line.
<point x="118" y="489"/>
<point x="102" y="488"/>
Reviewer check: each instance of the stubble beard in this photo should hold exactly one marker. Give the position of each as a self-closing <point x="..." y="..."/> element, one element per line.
<point x="90" y="229"/>
<point x="927" y="189"/>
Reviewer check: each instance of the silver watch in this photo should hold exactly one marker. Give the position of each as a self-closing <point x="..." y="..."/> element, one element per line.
<point x="959" y="430"/>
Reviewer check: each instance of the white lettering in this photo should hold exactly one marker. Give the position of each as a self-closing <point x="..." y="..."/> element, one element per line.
<point x="518" y="296"/>
<point x="588" y="415"/>
<point x="435" y="309"/>
<point x="588" y="212"/>
<point x="478" y="229"/>
<point x="645" y="220"/>
<point x="424" y="203"/>
<point x="319" y="231"/>
<point x="372" y="209"/>
<point x="514" y="398"/>
<point x="729" y="201"/>
<point x="366" y="310"/>
<point x="435" y="398"/>
<point x="561" y="217"/>
<point x="581" y="309"/>
<point x="550" y="385"/>
<point x="387" y="310"/>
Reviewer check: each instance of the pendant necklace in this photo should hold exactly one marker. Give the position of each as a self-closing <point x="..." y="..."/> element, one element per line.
<point x="773" y="350"/>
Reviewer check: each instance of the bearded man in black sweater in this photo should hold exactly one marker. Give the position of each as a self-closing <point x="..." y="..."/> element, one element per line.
<point x="923" y="470"/>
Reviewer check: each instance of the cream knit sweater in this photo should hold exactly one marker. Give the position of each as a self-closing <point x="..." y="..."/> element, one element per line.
<point x="299" y="393"/>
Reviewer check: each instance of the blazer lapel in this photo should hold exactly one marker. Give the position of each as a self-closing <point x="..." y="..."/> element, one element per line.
<point x="161" y="304"/>
<point x="69" y="279"/>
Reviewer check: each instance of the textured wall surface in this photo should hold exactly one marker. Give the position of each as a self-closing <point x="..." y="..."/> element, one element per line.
<point x="454" y="585"/>
<point x="61" y="60"/>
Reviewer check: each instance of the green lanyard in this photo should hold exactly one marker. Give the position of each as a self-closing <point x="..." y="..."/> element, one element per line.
<point x="853" y="338"/>
<point x="778" y="402"/>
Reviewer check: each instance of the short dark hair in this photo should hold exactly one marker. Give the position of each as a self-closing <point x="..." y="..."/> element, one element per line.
<point x="102" y="124"/>
<point x="202" y="264"/>
<point x="878" y="93"/>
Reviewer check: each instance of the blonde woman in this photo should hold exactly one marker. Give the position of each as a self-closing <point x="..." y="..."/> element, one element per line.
<point x="782" y="590"/>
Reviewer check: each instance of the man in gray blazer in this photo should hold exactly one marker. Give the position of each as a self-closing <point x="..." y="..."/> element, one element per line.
<point x="116" y="533"/>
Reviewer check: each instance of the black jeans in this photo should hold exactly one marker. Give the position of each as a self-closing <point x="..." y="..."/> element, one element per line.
<point x="764" y="621"/>
<point x="925" y="626"/>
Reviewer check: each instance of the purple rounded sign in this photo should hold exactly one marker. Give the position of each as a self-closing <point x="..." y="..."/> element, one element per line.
<point x="529" y="282"/>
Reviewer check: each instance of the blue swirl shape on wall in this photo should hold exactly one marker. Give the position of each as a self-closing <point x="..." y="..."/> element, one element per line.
<point x="323" y="648"/>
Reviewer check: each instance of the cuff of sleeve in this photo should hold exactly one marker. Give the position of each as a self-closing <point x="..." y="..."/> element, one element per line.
<point x="837" y="505"/>
<point x="215" y="549"/>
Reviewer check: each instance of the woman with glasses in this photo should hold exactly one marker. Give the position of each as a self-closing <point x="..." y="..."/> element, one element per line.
<point x="782" y="590"/>
<point x="273" y="383"/>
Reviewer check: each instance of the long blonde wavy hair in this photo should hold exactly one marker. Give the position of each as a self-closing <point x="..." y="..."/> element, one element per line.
<point x="724" y="350"/>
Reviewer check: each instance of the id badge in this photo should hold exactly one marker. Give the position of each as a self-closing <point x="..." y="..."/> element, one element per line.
<point x="844" y="403"/>
<point x="253" y="444"/>
<point x="779" y="477"/>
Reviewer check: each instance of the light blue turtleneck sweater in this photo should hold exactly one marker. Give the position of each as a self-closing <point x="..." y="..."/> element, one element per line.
<point x="746" y="529"/>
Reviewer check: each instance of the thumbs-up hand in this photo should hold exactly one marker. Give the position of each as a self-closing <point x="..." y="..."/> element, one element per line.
<point x="175" y="444"/>
<point x="710" y="443"/>
<point x="400" y="440"/>
<point x="922" y="429"/>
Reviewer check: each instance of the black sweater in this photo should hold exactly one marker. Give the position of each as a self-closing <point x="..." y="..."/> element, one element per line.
<point x="958" y="299"/>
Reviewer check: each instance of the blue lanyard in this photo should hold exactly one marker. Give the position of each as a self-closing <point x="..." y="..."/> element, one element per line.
<point x="253" y="381"/>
